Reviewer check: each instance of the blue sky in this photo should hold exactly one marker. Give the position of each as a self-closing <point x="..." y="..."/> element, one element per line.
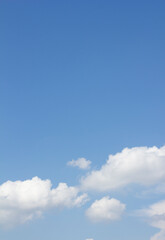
<point x="82" y="79"/>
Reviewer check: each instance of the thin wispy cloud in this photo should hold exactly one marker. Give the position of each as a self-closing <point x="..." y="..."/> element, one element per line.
<point x="81" y="163"/>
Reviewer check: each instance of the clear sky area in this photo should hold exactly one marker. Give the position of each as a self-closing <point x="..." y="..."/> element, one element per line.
<point x="82" y="123"/>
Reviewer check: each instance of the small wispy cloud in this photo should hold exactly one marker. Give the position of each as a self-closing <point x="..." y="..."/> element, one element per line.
<point x="81" y="163"/>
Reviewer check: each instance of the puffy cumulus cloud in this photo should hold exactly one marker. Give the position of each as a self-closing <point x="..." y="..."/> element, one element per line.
<point x="81" y="163"/>
<point x="139" y="165"/>
<point x="105" y="209"/>
<point x="21" y="201"/>
<point x="155" y="215"/>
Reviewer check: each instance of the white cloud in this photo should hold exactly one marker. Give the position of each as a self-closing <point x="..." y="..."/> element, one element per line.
<point x="155" y="215"/>
<point x="139" y="165"/>
<point x="105" y="209"/>
<point x="81" y="163"/>
<point x="21" y="201"/>
<point x="89" y="239"/>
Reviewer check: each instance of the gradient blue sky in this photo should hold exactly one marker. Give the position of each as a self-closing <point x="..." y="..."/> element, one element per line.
<point x="79" y="79"/>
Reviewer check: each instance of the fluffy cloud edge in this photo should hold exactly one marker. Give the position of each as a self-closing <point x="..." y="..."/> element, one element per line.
<point x="105" y="210"/>
<point x="139" y="165"/>
<point x="22" y="201"/>
<point x="155" y="216"/>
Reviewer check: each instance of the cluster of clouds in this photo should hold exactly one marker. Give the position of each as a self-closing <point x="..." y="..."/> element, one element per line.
<point x="21" y="201"/>
<point x="144" y="166"/>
